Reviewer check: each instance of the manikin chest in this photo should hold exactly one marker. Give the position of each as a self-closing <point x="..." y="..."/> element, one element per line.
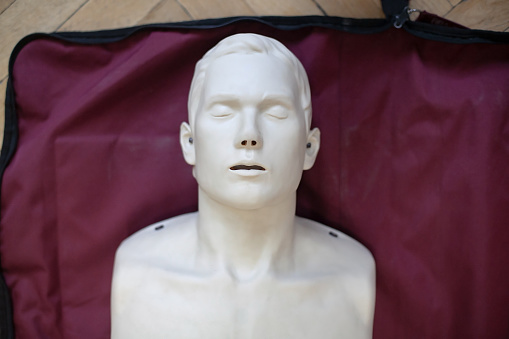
<point x="169" y="305"/>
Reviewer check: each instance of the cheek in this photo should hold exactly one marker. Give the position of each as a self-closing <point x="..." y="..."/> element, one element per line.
<point x="288" y="144"/>
<point x="211" y="131"/>
<point x="213" y="154"/>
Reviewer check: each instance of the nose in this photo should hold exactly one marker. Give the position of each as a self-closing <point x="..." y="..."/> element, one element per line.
<point x="249" y="135"/>
<point x="250" y="142"/>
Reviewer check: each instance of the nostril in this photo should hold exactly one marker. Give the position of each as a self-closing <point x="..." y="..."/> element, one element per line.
<point x="253" y="143"/>
<point x="244" y="142"/>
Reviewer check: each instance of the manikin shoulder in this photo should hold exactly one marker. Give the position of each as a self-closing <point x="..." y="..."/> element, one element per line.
<point x="322" y="250"/>
<point x="163" y="243"/>
<point x="334" y="249"/>
<point x="173" y="243"/>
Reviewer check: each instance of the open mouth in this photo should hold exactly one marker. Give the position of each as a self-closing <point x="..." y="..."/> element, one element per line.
<point x="247" y="167"/>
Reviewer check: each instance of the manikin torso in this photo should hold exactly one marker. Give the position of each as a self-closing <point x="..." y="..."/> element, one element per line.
<point x="170" y="292"/>
<point x="244" y="266"/>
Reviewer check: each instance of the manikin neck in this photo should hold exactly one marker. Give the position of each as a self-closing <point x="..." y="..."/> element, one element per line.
<point x="246" y="243"/>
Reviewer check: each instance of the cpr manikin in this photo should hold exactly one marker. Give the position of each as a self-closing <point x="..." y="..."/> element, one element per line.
<point x="244" y="266"/>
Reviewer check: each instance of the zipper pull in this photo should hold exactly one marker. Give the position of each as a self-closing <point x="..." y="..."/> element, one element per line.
<point x="400" y="19"/>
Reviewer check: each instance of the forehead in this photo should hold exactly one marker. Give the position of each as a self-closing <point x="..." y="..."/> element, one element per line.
<point x="249" y="76"/>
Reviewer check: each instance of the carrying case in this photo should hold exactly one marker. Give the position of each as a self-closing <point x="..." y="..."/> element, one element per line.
<point x="413" y="163"/>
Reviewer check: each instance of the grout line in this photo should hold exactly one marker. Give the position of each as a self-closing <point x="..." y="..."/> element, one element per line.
<point x="6" y="8"/>
<point x="452" y="8"/>
<point x="70" y="16"/>
<point x="320" y="8"/>
<point x="185" y="9"/>
<point x="149" y="11"/>
<point x="249" y="6"/>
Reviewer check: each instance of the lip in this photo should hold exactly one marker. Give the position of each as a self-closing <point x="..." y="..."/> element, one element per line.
<point x="248" y="169"/>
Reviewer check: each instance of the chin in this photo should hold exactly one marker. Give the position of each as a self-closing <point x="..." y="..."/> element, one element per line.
<point x="251" y="199"/>
<point x="246" y="202"/>
<point x="249" y="195"/>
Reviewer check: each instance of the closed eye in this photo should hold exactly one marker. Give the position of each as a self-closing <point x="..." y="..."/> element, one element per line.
<point x="221" y="111"/>
<point x="277" y="111"/>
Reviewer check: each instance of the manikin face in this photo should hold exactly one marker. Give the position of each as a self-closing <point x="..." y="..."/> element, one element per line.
<point x="249" y="134"/>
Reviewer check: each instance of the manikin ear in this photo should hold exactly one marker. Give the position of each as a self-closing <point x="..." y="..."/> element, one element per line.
<point x="312" y="147"/>
<point x="187" y="143"/>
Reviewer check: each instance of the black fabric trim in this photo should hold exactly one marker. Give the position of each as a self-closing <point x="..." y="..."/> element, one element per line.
<point x="10" y="129"/>
<point x="394" y="10"/>
<point x="360" y="26"/>
<point x="6" y="323"/>
<point x="455" y="35"/>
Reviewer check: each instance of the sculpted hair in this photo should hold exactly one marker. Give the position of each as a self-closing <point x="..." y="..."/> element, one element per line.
<point x="249" y="44"/>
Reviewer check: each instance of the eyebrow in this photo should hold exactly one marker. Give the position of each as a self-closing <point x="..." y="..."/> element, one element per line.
<point x="233" y="101"/>
<point x="278" y="99"/>
<point x="223" y="99"/>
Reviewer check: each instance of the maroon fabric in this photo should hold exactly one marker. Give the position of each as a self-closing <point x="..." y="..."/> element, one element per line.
<point x="413" y="164"/>
<point x="434" y="19"/>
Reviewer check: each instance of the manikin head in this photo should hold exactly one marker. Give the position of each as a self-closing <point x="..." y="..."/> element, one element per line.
<point x="249" y="136"/>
